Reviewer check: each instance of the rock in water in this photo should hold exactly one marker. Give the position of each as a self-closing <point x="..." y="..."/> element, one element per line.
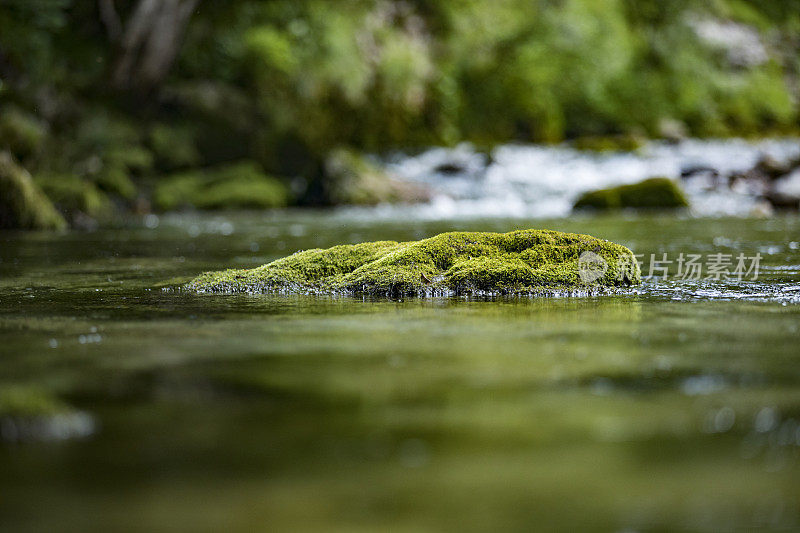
<point x="653" y="193"/>
<point x="22" y="204"/>
<point x="352" y="179"/>
<point x="521" y="262"/>
<point x="786" y="191"/>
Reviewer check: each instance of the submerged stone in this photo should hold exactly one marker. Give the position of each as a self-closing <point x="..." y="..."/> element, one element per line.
<point x="519" y="262"/>
<point x="653" y="193"/>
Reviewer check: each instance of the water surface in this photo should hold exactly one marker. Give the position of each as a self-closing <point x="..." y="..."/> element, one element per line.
<point x="675" y="407"/>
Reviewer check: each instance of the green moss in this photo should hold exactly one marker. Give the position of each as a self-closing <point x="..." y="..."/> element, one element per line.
<point x="526" y="261"/>
<point x="20" y="132"/>
<point x="22" y="204"/>
<point x="174" y="146"/>
<point x="75" y="194"/>
<point x="238" y="185"/>
<point x="616" y="143"/>
<point x="650" y="193"/>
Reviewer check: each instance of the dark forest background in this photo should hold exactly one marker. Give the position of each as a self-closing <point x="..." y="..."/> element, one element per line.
<point x="159" y="104"/>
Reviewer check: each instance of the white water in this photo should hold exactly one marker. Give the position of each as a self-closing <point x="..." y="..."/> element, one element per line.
<point x="544" y="181"/>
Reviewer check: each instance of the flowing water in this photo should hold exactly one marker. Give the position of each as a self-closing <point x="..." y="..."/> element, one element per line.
<point x="545" y="181"/>
<point x="675" y="407"/>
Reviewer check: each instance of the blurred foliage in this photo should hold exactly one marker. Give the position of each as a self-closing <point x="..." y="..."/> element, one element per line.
<point x="74" y="194"/>
<point x="237" y="185"/>
<point x="285" y="82"/>
<point x="23" y="204"/>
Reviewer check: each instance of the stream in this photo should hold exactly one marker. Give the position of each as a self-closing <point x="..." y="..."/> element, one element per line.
<point x="674" y="406"/>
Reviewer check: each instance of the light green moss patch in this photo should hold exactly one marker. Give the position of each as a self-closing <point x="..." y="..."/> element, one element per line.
<point x="618" y="143"/>
<point x="520" y="262"/>
<point x="651" y="193"/>
<point x="22" y="204"/>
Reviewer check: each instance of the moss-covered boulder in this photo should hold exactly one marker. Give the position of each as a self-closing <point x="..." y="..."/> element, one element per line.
<point x="653" y="193"/>
<point x="22" y="204"/>
<point x="609" y="143"/>
<point x="236" y="185"/>
<point x="352" y="179"/>
<point x="520" y="262"/>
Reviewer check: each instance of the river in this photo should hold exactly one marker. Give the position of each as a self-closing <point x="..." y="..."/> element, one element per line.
<point x="672" y="407"/>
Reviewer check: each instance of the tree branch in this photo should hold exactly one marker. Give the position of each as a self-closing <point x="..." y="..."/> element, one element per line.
<point x="110" y="19"/>
<point x="150" y="42"/>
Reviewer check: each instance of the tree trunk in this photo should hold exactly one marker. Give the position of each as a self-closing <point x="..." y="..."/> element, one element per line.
<point x="148" y="42"/>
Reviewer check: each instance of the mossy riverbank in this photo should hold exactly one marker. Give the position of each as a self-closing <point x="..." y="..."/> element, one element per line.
<point x="519" y="262"/>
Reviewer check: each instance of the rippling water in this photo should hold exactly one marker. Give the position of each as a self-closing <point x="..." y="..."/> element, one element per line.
<point x="674" y="407"/>
<point x="545" y="181"/>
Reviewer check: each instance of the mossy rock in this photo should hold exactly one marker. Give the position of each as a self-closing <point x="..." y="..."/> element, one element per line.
<point x="352" y="179"/>
<point x="653" y="193"/>
<point x="610" y="143"/>
<point x="521" y="262"/>
<point x="235" y="185"/>
<point x="23" y="205"/>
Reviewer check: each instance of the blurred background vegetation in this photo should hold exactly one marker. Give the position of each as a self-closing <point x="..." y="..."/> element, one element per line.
<point x="158" y="104"/>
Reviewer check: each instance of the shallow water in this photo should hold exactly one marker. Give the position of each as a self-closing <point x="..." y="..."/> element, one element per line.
<point x="675" y="407"/>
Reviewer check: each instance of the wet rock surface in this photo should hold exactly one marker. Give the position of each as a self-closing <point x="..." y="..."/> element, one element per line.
<point x="520" y="262"/>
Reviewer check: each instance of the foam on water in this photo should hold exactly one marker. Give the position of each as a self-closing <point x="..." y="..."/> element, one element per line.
<point x="544" y="181"/>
